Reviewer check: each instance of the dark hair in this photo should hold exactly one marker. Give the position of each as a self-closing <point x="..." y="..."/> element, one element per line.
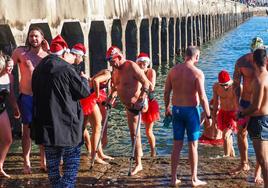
<point x="34" y="28"/>
<point x="191" y="51"/>
<point x="259" y="57"/>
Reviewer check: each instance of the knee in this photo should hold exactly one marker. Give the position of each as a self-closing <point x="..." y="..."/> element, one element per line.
<point x="7" y="141"/>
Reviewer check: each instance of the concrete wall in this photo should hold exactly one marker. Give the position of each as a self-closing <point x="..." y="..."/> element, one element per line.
<point x="163" y="28"/>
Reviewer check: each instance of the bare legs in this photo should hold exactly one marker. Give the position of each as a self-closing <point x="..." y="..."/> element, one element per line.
<point x="5" y="141"/>
<point x="26" y="150"/>
<point x="193" y="158"/>
<point x="261" y="150"/>
<point x="132" y="125"/>
<point x="151" y="138"/>
<point x="242" y="142"/>
<point x="228" y="143"/>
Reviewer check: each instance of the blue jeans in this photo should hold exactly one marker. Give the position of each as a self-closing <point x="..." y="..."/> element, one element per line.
<point x="71" y="162"/>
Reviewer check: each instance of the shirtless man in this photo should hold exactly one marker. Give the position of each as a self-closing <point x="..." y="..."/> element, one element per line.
<point x="244" y="70"/>
<point x="132" y="87"/>
<point x="224" y="96"/>
<point x="28" y="58"/>
<point x="186" y="82"/>
<point x="258" y="111"/>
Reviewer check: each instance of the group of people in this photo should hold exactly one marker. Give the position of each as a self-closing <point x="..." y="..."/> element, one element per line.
<point x="237" y="107"/>
<point x="58" y="101"/>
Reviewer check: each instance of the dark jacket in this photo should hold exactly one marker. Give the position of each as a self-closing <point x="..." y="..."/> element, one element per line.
<point x="57" y="114"/>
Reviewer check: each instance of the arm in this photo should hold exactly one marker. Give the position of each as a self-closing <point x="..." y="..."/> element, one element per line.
<point x="215" y="102"/>
<point x="102" y="76"/>
<point x="200" y="83"/>
<point x="12" y="98"/>
<point x="257" y="97"/>
<point x="152" y="77"/>
<point x="237" y="81"/>
<point x="167" y="92"/>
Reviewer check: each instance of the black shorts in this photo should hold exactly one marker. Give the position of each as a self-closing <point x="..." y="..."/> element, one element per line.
<point x="258" y="127"/>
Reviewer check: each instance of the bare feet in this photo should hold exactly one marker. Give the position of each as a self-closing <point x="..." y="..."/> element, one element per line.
<point x="136" y="170"/>
<point x="100" y="161"/>
<point x="106" y="157"/>
<point x="174" y="184"/>
<point x="258" y="180"/>
<point x="27" y="170"/>
<point x="153" y="153"/>
<point x="241" y="168"/>
<point x="4" y="174"/>
<point x="198" y="182"/>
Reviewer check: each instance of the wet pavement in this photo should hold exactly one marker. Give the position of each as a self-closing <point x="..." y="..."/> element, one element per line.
<point x="156" y="173"/>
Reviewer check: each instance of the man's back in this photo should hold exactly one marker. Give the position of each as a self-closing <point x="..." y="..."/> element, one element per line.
<point x="262" y="82"/>
<point x="183" y="79"/>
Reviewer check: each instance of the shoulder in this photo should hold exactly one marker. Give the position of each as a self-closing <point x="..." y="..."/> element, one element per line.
<point x="19" y="51"/>
<point x="244" y="60"/>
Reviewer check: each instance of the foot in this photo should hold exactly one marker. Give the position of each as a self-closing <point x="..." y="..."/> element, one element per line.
<point x="100" y="161"/>
<point x="106" y="157"/>
<point x="174" y="184"/>
<point x="27" y="170"/>
<point x="4" y="174"/>
<point x="153" y="153"/>
<point x="241" y="168"/>
<point x="198" y="183"/>
<point x="258" y="180"/>
<point x="136" y="170"/>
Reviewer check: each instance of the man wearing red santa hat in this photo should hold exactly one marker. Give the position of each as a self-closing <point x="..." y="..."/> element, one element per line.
<point x="224" y="97"/>
<point x="58" y="117"/>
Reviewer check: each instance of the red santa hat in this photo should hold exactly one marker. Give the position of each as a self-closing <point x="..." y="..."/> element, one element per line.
<point x="143" y="57"/>
<point x="79" y="49"/>
<point x="112" y="53"/>
<point x="58" y="46"/>
<point x="224" y="78"/>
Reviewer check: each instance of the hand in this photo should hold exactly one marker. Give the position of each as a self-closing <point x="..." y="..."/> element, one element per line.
<point x="16" y="113"/>
<point x="209" y="120"/>
<point x="45" y="45"/>
<point x="139" y="104"/>
<point x="84" y="75"/>
<point x="168" y="112"/>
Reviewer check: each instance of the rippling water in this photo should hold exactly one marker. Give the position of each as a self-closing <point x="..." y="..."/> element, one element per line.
<point x="217" y="55"/>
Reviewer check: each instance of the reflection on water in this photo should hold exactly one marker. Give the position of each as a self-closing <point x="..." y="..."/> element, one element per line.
<point x="215" y="56"/>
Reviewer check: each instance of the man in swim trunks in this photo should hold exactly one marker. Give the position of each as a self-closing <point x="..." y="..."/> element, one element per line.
<point x="132" y="87"/>
<point x="28" y="58"/>
<point x="244" y="70"/>
<point x="224" y="95"/>
<point x="258" y="111"/>
<point x="186" y="82"/>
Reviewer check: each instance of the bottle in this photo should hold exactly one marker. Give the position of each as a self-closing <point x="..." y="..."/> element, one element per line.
<point x="167" y="121"/>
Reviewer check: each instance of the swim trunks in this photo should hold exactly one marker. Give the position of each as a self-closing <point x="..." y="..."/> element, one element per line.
<point x="258" y="127"/>
<point x="226" y="120"/>
<point x="25" y="103"/>
<point x="186" y="118"/>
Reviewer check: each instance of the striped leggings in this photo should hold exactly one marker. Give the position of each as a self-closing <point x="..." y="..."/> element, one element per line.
<point x="71" y="162"/>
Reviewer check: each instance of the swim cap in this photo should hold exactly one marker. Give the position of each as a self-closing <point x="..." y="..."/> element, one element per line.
<point x="113" y="52"/>
<point x="224" y="78"/>
<point x="256" y="43"/>
<point x="143" y="57"/>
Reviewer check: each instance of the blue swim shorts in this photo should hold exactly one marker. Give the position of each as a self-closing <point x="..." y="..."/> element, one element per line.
<point x="25" y="103"/>
<point x="186" y="118"/>
<point x="258" y="127"/>
<point x="244" y="104"/>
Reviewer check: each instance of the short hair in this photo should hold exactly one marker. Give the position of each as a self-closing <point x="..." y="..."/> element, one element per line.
<point x="259" y="56"/>
<point x="191" y="51"/>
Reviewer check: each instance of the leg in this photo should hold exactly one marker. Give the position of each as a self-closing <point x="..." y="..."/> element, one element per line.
<point x="261" y="151"/>
<point x="151" y="138"/>
<point x="53" y="157"/>
<point x="86" y="135"/>
<point x="257" y="174"/>
<point x="228" y="143"/>
<point x="71" y="162"/>
<point x="43" y="165"/>
<point x="242" y="142"/>
<point x="26" y="148"/>
<point x="193" y="156"/>
<point x="175" y="156"/>
<point x="5" y="140"/>
<point x="132" y="125"/>
<point x="104" y="139"/>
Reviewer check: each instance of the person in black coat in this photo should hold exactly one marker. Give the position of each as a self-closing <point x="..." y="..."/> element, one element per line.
<point x="57" y="114"/>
